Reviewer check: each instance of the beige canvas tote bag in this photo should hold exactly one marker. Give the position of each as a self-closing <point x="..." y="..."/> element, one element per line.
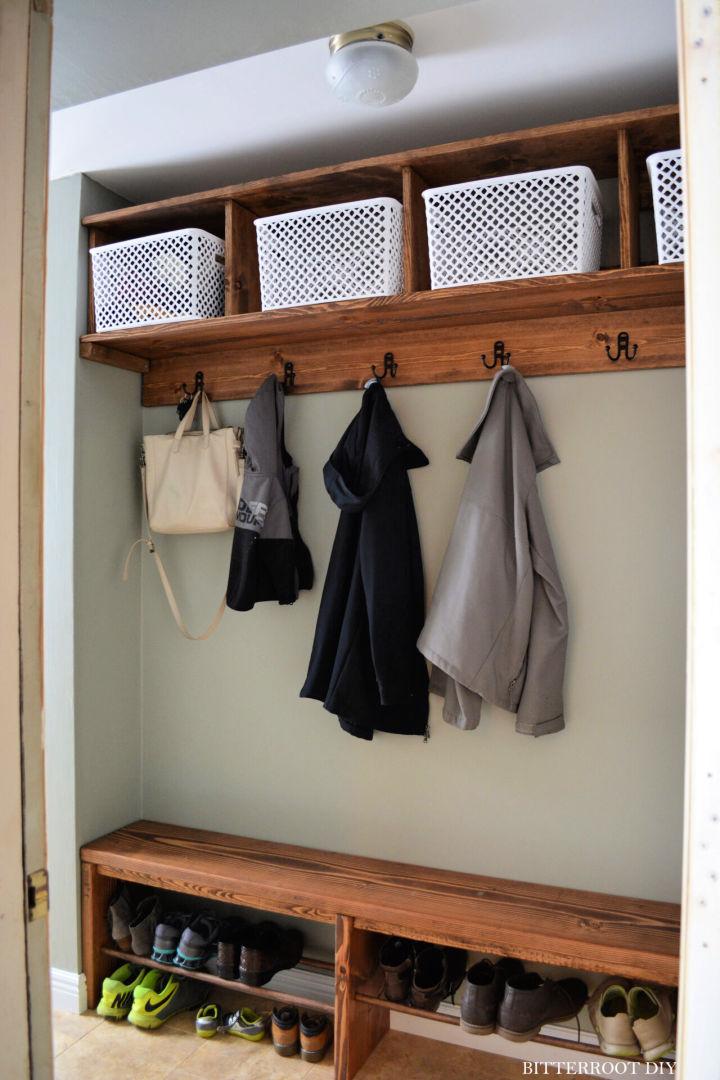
<point x="191" y="484"/>
<point x="193" y="478"/>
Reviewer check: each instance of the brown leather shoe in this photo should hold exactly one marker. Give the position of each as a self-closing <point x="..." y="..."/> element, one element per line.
<point x="396" y="961"/>
<point x="437" y="974"/>
<point x="265" y="950"/>
<point x="531" y="1001"/>
<point x="285" y="1030"/>
<point x="484" y="989"/>
<point x="314" y="1036"/>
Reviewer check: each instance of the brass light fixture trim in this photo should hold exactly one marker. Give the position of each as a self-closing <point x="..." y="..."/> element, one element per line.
<point x="397" y="33"/>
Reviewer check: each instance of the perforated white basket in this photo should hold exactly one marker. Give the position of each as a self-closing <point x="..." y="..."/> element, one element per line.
<point x="168" y="277"/>
<point x="666" y="177"/>
<point x="526" y="225"/>
<point x="339" y="252"/>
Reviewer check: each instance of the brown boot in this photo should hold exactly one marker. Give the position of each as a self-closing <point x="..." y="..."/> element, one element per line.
<point x="437" y="974"/>
<point x="396" y="961"/>
<point x="285" y="1030"/>
<point x="531" y="1001"/>
<point x="483" y="993"/>
<point x="314" y="1036"/>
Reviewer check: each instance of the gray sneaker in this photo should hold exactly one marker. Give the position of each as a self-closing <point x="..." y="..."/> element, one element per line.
<point x="196" y="942"/>
<point x="167" y="936"/>
<point x="142" y="927"/>
<point x="120" y="917"/>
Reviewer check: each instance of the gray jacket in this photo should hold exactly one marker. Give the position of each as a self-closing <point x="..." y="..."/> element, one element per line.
<point x="497" y="626"/>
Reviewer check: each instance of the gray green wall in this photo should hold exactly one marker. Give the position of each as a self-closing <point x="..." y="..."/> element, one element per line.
<point x="227" y="744"/>
<point x="91" y="620"/>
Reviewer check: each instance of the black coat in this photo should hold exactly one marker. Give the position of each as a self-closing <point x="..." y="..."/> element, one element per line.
<point x="365" y="666"/>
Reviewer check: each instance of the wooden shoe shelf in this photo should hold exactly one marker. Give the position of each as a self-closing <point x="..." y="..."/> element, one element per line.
<point x="563" y="324"/>
<point x="365" y="898"/>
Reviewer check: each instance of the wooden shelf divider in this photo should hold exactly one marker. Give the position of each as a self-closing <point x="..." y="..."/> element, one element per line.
<point x="242" y="276"/>
<point x="628" y="201"/>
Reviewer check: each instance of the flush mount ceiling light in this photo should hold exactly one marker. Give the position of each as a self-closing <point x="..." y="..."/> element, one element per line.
<point x="373" y="66"/>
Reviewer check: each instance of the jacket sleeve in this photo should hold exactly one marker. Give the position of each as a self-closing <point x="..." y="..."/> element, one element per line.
<point x="540" y="709"/>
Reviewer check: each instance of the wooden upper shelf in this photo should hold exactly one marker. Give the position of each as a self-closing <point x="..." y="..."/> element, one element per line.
<point x="591" y="142"/>
<point x="551" y="325"/>
<point x="544" y="924"/>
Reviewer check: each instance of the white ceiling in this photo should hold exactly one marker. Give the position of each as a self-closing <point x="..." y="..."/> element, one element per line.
<point x="488" y="66"/>
<point x="107" y="46"/>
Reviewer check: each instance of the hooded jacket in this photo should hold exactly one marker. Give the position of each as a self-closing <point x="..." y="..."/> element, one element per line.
<point x="497" y="627"/>
<point x="269" y="559"/>
<point x="365" y="666"/>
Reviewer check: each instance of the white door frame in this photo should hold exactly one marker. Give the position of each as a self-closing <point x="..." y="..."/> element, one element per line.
<point x="699" y="1011"/>
<point x="25" y="34"/>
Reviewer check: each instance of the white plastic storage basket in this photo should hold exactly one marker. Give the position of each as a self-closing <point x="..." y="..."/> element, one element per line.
<point x="339" y="252"/>
<point x="526" y="225"/>
<point x="666" y="177"/>
<point x="168" y="277"/>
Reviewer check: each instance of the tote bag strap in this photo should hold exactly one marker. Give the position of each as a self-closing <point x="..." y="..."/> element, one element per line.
<point x="209" y="420"/>
<point x="165" y="580"/>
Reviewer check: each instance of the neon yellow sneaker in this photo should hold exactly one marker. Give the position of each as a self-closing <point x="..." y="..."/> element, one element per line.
<point x="160" y="996"/>
<point x="117" y="991"/>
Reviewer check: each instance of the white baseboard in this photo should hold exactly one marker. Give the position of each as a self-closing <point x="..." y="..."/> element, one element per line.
<point x="69" y="991"/>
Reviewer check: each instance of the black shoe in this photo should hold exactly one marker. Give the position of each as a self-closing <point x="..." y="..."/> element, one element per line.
<point x="266" y="949"/>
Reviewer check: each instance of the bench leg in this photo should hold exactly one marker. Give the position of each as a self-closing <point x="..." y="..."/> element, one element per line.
<point x="359" y="1027"/>
<point x="97" y="891"/>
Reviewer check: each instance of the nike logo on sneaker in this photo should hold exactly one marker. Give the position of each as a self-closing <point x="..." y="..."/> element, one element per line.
<point x="153" y="1007"/>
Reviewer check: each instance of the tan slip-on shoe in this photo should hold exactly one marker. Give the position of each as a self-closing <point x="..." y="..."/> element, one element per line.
<point x="652" y="1020"/>
<point x="610" y="1016"/>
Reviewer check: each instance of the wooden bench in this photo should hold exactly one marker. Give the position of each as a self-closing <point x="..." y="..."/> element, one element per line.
<point x="364" y="897"/>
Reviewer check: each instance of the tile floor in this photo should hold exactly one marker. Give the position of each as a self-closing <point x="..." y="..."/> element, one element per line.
<point x="88" y="1048"/>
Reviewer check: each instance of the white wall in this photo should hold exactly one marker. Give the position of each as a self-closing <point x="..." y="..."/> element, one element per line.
<point x="228" y="745"/>
<point x="92" y="649"/>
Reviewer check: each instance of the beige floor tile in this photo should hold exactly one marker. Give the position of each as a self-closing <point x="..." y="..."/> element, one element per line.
<point x="224" y="1057"/>
<point x="235" y="1059"/>
<point x="118" y="1051"/>
<point x="67" y="1028"/>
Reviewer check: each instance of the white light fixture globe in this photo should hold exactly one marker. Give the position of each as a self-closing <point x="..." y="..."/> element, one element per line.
<point x="374" y="66"/>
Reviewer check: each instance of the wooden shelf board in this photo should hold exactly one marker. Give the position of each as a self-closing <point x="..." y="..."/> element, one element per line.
<point x="590" y="142"/>
<point x="228" y="984"/>
<point x="544" y="924"/>
<point x="562" y="294"/>
<point x="446" y="1018"/>
<point x="555" y="325"/>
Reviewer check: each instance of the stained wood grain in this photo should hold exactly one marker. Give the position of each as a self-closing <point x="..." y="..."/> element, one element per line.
<point x="628" y="201"/>
<point x="550" y="324"/>
<point x="242" y="275"/>
<point x="97" y="892"/>
<point x="359" y="1025"/>
<point x="264" y="992"/>
<point x="416" y="260"/>
<point x="590" y="142"/>
<point x="569" y="927"/>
